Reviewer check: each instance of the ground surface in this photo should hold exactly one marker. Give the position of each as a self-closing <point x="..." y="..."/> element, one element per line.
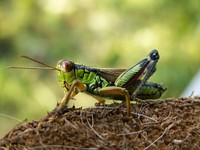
<point x="166" y="124"/>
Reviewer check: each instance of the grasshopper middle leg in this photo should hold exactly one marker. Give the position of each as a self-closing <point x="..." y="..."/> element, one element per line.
<point x="115" y="91"/>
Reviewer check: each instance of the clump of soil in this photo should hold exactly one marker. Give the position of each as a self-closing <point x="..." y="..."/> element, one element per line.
<point x="164" y="124"/>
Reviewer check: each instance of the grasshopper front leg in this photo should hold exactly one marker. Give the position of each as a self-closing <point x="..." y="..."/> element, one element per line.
<point x="76" y="87"/>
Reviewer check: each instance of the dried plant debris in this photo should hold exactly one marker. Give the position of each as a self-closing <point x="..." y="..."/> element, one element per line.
<point x="164" y="124"/>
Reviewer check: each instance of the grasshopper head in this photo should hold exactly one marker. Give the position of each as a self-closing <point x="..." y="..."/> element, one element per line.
<point x="65" y="73"/>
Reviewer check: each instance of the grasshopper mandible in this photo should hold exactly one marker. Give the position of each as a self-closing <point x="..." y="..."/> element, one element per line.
<point x="120" y="84"/>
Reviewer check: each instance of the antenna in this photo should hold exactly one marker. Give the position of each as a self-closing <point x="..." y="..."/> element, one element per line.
<point x="33" y="68"/>
<point x="48" y="67"/>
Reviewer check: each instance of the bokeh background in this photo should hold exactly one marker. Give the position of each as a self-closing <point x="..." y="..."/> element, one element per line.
<point x="97" y="33"/>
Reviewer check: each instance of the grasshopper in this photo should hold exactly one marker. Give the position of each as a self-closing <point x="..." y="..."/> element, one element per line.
<point x="120" y="84"/>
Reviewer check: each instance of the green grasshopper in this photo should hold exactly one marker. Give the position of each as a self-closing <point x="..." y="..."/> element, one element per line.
<point x="119" y="84"/>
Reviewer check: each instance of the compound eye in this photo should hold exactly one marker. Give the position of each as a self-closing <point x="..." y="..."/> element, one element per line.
<point x="66" y="66"/>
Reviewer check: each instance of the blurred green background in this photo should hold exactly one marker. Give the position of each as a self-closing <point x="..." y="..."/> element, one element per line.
<point x="97" y="33"/>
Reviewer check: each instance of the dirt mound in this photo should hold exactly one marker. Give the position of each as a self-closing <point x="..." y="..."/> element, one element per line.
<point x="165" y="124"/>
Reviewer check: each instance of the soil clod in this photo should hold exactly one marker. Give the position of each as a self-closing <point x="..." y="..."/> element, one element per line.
<point x="164" y="124"/>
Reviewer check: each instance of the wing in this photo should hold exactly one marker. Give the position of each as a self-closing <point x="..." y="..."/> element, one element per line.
<point x="110" y="74"/>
